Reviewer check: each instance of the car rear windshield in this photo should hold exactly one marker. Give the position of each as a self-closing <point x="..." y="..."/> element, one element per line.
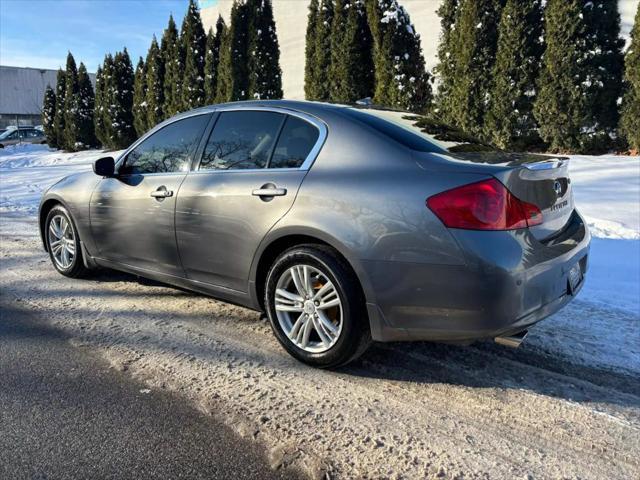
<point x="418" y="132"/>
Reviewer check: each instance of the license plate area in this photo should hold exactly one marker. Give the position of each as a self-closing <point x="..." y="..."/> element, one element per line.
<point x="574" y="278"/>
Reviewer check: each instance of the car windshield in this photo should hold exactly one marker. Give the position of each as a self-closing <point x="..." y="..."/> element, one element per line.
<point x="6" y="134"/>
<point x="419" y="132"/>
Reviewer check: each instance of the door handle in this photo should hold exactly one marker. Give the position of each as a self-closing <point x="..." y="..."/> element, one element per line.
<point x="269" y="192"/>
<point x="162" y="192"/>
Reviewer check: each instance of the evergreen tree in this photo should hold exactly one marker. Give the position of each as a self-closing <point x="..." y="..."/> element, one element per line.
<point x="140" y="98"/>
<point x="263" y="68"/>
<point x="70" y="132"/>
<point x="98" y="112"/>
<point x="48" y="116"/>
<point x="445" y="69"/>
<point x="401" y="79"/>
<point x="173" y="57"/>
<point x="212" y="59"/>
<point x="579" y="83"/>
<point x="630" y="121"/>
<point x="310" y="70"/>
<point x="352" y="76"/>
<point x="155" y="79"/>
<point x="61" y="90"/>
<point x="605" y="64"/>
<point x="120" y="111"/>
<point x="510" y="122"/>
<point x="474" y="45"/>
<point x="321" y="88"/>
<point x="233" y="72"/>
<point x="194" y="40"/>
<point x="85" y="110"/>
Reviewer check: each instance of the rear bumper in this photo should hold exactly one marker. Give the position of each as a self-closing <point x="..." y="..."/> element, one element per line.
<point x="509" y="281"/>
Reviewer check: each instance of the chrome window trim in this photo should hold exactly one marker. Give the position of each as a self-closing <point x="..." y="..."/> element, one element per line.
<point x="311" y="157"/>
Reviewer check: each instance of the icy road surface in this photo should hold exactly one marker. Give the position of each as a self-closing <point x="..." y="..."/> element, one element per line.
<point x="566" y="404"/>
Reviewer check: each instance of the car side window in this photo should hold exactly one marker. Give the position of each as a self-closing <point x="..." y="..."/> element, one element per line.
<point x="295" y="143"/>
<point x="241" y="140"/>
<point x="168" y="150"/>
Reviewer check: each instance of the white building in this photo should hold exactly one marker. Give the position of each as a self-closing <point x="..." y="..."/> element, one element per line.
<point x="291" y="25"/>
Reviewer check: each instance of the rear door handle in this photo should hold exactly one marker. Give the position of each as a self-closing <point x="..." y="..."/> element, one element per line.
<point x="162" y="192"/>
<point x="269" y="192"/>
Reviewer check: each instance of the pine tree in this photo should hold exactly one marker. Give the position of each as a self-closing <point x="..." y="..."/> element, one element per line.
<point x="352" y="76"/>
<point x="173" y="57"/>
<point x="579" y="83"/>
<point x="445" y="69"/>
<point x="120" y="111"/>
<point x="212" y="59"/>
<point x="155" y="78"/>
<point x="48" y="116"/>
<point x="605" y="65"/>
<point x="98" y="112"/>
<point x="510" y="122"/>
<point x="233" y="72"/>
<point x="474" y="48"/>
<point x="70" y="132"/>
<point x="263" y="67"/>
<point x="401" y="77"/>
<point x="194" y="40"/>
<point x="630" y="121"/>
<point x="310" y="70"/>
<point x="86" y="107"/>
<point x="321" y="88"/>
<point x="61" y="89"/>
<point x="140" y="98"/>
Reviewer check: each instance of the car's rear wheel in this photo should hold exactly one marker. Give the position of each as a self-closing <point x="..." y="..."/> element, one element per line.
<point x="315" y="307"/>
<point x="63" y="243"/>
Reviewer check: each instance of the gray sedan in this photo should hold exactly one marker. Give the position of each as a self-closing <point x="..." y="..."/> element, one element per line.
<point x="344" y="224"/>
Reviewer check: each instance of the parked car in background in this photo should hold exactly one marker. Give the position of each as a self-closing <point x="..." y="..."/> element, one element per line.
<point x="14" y="136"/>
<point x="343" y="224"/>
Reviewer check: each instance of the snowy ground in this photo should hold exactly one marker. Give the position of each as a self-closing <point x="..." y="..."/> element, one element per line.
<point x="566" y="404"/>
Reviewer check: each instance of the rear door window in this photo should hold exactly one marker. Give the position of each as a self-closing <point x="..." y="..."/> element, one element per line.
<point x="242" y="140"/>
<point x="296" y="141"/>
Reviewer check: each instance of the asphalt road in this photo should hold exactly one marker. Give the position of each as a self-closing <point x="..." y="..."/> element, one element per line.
<point x="65" y="414"/>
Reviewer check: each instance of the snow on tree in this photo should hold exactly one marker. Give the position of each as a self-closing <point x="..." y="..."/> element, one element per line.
<point x="140" y="98"/>
<point x="85" y="106"/>
<point x="310" y="70"/>
<point x="630" y="120"/>
<point x="351" y="70"/>
<point x="233" y="79"/>
<point x="510" y="123"/>
<point x="401" y="78"/>
<point x="474" y="43"/>
<point x="70" y="132"/>
<point x="212" y="59"/>
<point x="173" y="57"/>
<point x="120" y="108"/>
<point x="263" y="67"/>
<point x="194" y="41"/>
<point x="154" y="83"/>
<point x="445" y="68"/>
<point x="575" y="107"/>
<point x="48" y="116"/>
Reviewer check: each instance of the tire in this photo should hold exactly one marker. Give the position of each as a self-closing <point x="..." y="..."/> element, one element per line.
<point x="327" y="346"/>
<point x="74" y="267"/>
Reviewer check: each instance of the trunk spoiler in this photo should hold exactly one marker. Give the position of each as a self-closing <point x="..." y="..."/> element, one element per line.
<point x="550" y="164"/>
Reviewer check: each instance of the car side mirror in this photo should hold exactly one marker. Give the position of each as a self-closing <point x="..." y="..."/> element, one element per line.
<point x="105" y="167"/>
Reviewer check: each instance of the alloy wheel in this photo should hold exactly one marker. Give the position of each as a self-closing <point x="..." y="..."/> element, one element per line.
<point x="62" y="241"/>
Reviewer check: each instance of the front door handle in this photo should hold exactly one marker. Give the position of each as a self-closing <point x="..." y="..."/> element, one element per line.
<point x="162" y="192"/>
<point x="269" y="192"/>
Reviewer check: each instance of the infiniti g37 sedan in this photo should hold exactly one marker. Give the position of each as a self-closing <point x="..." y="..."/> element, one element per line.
<point x="344" y="224"/>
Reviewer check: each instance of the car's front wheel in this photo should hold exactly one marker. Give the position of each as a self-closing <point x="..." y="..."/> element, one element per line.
<point x="63" y="243"/>
<point x="316" y="308"/>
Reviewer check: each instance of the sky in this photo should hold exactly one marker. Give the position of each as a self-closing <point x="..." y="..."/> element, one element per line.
<point x="38" y="33"/>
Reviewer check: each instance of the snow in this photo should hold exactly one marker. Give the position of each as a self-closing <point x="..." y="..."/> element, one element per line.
<point x="600" y="327"/>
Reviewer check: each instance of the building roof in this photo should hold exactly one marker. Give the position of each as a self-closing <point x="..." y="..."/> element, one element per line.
<point x="22" y="89"/>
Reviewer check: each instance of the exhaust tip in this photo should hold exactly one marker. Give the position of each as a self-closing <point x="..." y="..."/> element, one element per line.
<point x="512" y="341"/>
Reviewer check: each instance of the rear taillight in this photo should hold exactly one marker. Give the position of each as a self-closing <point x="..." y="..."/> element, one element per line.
<point x="486" y="205"/>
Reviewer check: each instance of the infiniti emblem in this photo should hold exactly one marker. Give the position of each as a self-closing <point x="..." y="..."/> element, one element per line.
<point x="557" y="186"/>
